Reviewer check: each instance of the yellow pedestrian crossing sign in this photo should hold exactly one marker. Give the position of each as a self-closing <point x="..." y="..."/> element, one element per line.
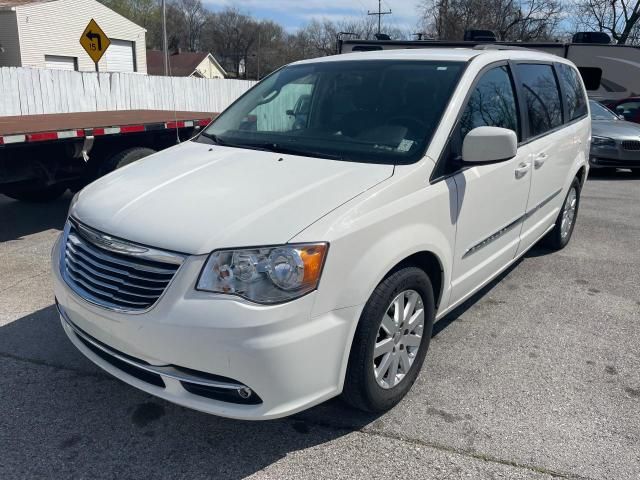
<point x="94" y="41"/>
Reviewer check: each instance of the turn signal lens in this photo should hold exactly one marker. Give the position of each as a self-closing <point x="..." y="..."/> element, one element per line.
<point x="313" y="259"/>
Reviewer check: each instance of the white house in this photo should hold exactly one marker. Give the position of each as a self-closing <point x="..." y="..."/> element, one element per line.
<point x="46" y="34"/>
<point x="185" y="64"/>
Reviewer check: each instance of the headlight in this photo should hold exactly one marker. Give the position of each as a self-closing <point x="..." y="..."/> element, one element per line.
<point x="602" y="141"/>
<point x="265" y="275"/>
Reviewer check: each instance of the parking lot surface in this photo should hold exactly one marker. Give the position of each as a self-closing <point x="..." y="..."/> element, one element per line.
<point x="538" y="377"/>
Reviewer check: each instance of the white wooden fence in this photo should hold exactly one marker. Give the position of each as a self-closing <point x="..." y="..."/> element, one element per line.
<point x="29" y="91"/>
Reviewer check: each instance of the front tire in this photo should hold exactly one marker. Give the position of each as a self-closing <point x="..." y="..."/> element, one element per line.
<point x="559" y="237"/>
<point x="391" y="341"/>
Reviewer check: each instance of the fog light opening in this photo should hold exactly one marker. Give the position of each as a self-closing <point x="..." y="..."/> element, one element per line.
<point x="244" y="392"/>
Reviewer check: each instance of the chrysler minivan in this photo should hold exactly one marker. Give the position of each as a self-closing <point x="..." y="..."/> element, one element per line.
<point x="302" y="245"/>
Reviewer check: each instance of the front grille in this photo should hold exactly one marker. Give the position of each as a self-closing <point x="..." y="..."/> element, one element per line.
<point x="631" y="145"/>
<point x="129" y="282"/>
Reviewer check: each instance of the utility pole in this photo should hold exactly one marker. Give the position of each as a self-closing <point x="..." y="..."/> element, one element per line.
<point x="165" y="48"/>
<point x="379" y="13"/>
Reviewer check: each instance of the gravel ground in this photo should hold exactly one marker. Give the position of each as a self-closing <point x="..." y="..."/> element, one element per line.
<point x="536" y="377"/>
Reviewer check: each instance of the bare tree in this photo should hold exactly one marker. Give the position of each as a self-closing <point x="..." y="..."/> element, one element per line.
<point x="619" y="18"/>
<point x="192" y="17"/>
<point x="512" y="20"/>
<point x="230" y="35"/>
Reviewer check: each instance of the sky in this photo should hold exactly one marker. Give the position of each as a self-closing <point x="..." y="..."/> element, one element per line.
<point x="293" y="14"/>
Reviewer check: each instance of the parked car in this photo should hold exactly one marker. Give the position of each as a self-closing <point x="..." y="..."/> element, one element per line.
<point x="255" y="272"/>
<point x="615" y="143"/>
<point x="629" y="108"/>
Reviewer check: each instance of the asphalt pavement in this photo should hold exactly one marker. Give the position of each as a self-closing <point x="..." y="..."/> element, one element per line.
<point x="538" y="376"/>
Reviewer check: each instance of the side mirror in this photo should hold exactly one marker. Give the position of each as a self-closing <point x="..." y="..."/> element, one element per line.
<point x="290" y="112"/>
<point x="489" y="144"/>
<point x="621" y="117"/>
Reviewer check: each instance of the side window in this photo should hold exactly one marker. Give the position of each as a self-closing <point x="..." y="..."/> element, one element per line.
<point x="628" y="109"/>
<point x="492" y="103"/>
<point x="542" y="97"/>
<point x="576" y="101"/>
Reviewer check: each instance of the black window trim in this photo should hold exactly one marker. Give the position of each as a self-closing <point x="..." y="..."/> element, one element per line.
<point x="437" y="174"/>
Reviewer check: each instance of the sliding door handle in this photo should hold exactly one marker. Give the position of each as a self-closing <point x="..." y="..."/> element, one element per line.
<point x="539" y="160"/>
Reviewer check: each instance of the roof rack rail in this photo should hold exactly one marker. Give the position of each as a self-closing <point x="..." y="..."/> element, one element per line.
<point x="494" y="46"/>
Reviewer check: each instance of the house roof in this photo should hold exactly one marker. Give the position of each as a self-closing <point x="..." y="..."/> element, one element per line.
<point x="180" y="64"/>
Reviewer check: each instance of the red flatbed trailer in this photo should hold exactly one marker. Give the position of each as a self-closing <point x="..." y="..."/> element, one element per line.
<point x="43" y="155"/>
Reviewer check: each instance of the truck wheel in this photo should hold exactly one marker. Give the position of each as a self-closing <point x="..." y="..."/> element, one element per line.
<point x="126" y="157"/>
<point x="391" y="341"/>
<point x="37" y="195"/>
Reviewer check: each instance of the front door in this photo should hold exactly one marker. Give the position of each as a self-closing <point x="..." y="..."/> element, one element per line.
<point x="492" y="198"/>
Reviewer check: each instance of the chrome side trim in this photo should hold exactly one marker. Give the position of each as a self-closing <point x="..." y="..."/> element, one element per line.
<point x="163" y="371"/>
<point x="124" y="247"/>
<point x="522" y="218"/>
<point x="531" y="212"/>
<point x="493" y="237"/>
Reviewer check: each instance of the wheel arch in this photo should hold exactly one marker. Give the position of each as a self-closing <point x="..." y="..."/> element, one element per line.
<point x="428" y="262"/>
<point x="581" y="174"/>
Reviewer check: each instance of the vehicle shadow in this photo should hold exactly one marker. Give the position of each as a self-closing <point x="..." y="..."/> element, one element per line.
<point x="612" y="174"/>
<point x="19" y="219"/>
<point x="80" y="422"/>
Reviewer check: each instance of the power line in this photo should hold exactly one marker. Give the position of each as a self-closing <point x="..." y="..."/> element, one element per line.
<point x="379" y="14"/>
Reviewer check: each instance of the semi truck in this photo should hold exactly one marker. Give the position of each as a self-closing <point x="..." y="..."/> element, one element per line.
<point x="42" y="156"/>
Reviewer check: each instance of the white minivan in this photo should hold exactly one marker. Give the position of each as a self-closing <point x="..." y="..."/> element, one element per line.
<point x="303" y="244"/>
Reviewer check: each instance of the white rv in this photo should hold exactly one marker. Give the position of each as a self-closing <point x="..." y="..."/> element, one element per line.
<point x="610" y="72"/>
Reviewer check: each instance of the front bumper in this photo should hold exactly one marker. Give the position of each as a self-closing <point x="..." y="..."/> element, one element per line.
<point x="614" y="157"/>
<point x="290" y="360"/>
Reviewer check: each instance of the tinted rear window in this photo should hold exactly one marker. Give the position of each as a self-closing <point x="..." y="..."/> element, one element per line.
<point x="542" y="97"/>
<point x="576" y="100"/>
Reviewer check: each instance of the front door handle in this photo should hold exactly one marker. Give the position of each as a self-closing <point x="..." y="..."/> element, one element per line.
<point x="522" y="169"/>
<point x="539" y="160"/>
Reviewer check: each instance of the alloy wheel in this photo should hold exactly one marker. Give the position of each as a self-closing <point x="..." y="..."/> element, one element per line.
<point x="399" y="338"/>
<point x="568" y="213"/>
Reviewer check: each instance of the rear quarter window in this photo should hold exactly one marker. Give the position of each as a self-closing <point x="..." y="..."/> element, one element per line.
<point x="575" y="99"/>
<point x="542" y="97"/>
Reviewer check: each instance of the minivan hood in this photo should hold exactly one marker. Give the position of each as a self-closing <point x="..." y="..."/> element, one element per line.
<point x="194" y="198"/>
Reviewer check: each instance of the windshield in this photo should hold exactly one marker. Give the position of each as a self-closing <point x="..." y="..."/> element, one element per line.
<point x="369" y="111"/>
<point x="599" y="112"/>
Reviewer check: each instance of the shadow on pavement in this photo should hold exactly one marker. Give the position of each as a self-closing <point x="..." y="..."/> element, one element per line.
<point x="18" y="219"/>
<point x="613" y="174"/>
<point x="65" y="418"/>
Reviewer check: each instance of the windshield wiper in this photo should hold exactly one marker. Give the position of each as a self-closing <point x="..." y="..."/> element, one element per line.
<point x="223" y="143"/>
<point x="214" y="138"/>
<point x="271" y="147"/>
<point x="292" y="150"/>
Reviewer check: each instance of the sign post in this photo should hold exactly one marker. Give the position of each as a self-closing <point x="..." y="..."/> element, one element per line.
<point x="95" y="42"/>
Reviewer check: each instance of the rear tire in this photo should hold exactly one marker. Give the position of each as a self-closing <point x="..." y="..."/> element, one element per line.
<point x="37" y="195"/>
<point x="125" y="158"/>
<point x="366" y="387"/>
<point x="559" y="237"/>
